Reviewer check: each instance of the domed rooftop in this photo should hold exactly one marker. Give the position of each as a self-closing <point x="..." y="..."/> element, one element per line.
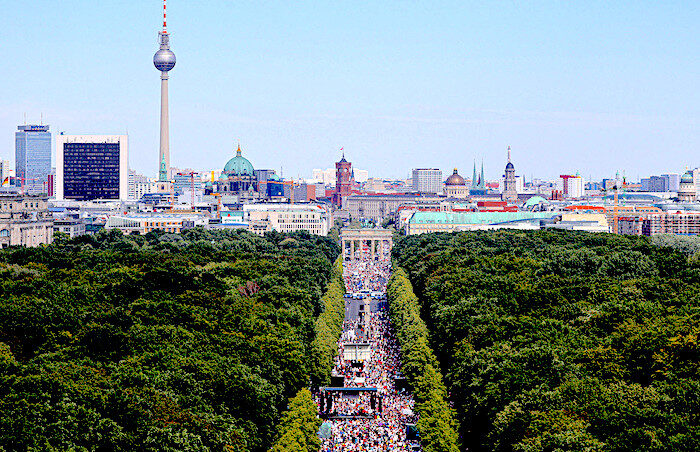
<point x="274" y="178"/>
<point x="535" y="200"/>
<point x="687" y="178"/>
<point x="239" y="165"/>
<point x="455" y="179"/>
<point x="510" y="166"/>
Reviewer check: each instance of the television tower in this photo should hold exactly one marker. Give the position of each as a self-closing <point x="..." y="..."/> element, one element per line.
<point x="164" y="61"/>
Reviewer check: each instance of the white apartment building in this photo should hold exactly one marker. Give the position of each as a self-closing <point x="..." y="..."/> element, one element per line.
<point x="261" y="218"/>
<point x="427" y="180"/>
<point x="571" y="186"/>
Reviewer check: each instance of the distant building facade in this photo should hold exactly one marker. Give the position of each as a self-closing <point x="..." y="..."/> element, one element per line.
<point x="187" y="182"/>
<point x="571" y="186"/>
<point x="672" y="181"/>
<point x="427" y="180"/>
<point x="90" y="167"/>
<point x="33" y="158"/>
<point x="4" y="171"/>
<point x="379" y="207"/>
<point x="145" y="223"/>
<point x="69" y="226"/>
<point x="25" y="221"/>
<point x="313" y="218"/>
<point x="684" y="223"/>
<point x="663" y="183"/>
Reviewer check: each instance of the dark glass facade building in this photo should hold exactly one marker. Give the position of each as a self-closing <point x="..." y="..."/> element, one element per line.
<point x="91" y="171"/>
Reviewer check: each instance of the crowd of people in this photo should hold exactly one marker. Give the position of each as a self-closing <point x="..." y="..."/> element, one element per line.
<point x="366" y="275"/>
<point x="369" y="421"/>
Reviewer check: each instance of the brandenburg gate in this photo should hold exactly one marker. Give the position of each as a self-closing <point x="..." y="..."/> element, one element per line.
<point x="378" y="243"/>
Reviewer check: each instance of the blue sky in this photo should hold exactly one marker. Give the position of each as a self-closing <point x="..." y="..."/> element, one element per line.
<point x="594" y="86"/>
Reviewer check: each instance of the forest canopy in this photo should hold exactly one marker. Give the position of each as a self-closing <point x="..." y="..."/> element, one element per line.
<point x="563" y="341"/>
<point x="190" y="341"/>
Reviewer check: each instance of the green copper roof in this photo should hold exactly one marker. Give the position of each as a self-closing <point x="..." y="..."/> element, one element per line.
<point x="535" y="200"/>
<point x="239" y="165"/>
<point x="477" y="217"/>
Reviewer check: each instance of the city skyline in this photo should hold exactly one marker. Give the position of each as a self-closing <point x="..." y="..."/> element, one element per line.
<point x="623" y="100"/>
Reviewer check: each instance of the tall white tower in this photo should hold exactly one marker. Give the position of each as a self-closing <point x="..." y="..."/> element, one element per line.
<point x="164" y="61"/>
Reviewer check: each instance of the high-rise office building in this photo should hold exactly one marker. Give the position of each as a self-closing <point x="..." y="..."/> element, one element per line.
<point x="655" y="184"/>
<point x="92" y="167"/>
<point x="673" y="181"/>
<point x="32" y="158"/>
<point x="427" y="180"/>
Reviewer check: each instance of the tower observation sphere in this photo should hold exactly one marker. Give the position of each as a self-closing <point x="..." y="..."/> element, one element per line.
<point x="164" y="60"/>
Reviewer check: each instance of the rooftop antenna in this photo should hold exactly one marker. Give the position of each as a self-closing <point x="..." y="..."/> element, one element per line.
<point x="25" y="118"/>
<point x="41" y="119"/>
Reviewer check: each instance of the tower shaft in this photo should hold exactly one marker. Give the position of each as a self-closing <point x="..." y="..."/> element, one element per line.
<point x="164" y="155"/>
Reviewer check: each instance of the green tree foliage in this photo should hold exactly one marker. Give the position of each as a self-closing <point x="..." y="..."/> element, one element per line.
<point x="298" y="429"/>
<point x="157" y="342"/>
<point x="328" y="326"/>
<point x="436" y="423"/>
<point x="563" y="341"/>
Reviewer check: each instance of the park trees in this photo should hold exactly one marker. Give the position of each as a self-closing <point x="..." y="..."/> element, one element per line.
<point x="560" y="340"/>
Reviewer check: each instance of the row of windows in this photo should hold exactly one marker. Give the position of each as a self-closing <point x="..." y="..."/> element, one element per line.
<point x="91" y="171"/>
<point x="175" y="230"/>
<point x="162" y="223"/>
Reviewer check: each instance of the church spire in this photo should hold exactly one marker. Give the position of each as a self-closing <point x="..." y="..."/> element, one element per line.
<point x="482" y="182"/>
<point x="508" y="154"/>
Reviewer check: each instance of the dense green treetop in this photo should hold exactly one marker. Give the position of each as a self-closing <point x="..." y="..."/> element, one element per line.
<point x="156" y="342"/>
<point x="555" y="340"/>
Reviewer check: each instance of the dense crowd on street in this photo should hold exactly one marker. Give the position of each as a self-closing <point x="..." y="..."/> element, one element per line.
<point x="382" y="425"/>
<point x="366" y="275"/>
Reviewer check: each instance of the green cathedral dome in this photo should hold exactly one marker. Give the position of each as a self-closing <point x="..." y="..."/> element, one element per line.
<point x="239" y="165"/>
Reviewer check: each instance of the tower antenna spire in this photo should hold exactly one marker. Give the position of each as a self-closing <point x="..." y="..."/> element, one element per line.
<point x="165" y="22"/>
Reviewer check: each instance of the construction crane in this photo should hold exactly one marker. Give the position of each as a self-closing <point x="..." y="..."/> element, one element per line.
<point x="218" y="204"/>
<point x="616" y="215"/>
